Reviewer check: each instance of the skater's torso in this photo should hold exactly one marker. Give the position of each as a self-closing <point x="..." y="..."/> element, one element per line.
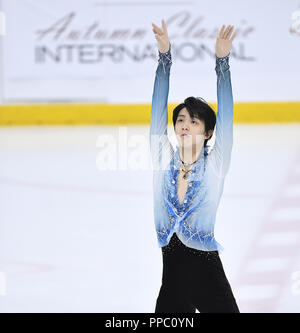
<point x="182" y="187"/>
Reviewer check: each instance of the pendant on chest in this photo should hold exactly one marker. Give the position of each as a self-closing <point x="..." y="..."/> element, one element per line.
<point x="186" y="174"/>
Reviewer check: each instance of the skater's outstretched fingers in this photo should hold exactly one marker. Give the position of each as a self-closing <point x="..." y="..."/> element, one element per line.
<point x="224" y="41"/>
<point x="161" y="35"/>
<point x="164" y="27"/>
<point x="156" y="29"/>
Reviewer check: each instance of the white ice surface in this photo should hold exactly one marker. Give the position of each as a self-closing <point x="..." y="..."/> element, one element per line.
<point x="78" y="239"/>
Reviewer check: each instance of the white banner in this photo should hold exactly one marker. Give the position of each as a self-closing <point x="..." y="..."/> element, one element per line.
<point x="105" y="51"/>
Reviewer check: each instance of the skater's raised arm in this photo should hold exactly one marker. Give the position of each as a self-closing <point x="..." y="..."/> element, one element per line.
<point x="221" y="152"/>
<point x="159" y="142"/>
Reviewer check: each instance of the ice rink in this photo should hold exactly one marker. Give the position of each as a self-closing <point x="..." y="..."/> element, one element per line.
<point x="78" y="239"/>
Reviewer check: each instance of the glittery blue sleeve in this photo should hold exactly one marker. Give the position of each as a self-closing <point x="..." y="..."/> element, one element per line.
<point x="160" y="145"/>
<point x="221" y="152"/>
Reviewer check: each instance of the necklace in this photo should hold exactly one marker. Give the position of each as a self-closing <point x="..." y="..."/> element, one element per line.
<point x="186" y="172"/>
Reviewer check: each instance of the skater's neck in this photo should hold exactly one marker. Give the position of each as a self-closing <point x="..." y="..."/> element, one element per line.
<point x="190" y="154"/>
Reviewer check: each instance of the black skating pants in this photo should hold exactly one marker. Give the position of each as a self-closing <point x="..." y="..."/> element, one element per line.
<point x="193" y="279"/>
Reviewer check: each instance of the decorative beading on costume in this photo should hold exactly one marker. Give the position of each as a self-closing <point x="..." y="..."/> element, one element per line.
<point x="222" y="65"/>
<point x="165" y="58"/>
<point x="175" y="243"/>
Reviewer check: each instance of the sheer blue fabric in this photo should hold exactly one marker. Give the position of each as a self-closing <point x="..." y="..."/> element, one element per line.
<point x="194" y="219"/>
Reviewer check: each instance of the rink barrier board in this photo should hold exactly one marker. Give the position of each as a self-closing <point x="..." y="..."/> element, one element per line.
<point x="136" y="114"/>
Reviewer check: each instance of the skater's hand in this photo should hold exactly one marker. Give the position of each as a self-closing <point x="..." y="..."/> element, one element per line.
<point x="224" y="42"/>
<point x="162" y="37"/>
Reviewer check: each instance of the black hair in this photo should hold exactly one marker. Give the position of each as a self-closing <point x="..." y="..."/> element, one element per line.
<point x="197" y="107"/>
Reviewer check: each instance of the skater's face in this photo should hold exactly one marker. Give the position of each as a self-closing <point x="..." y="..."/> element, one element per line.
<point x="190" y="131"/>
